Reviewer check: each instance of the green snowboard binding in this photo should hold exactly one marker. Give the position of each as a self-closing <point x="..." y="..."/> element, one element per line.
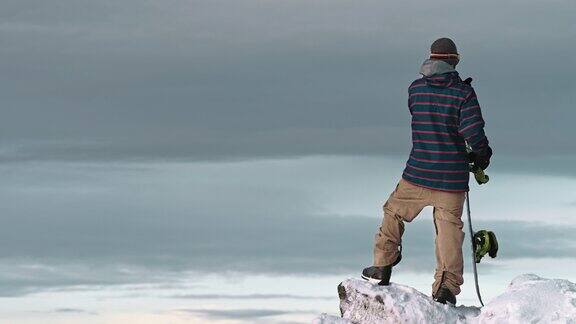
<point x="485" y="242"/>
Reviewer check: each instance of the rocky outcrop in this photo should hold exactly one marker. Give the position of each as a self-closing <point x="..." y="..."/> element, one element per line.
<point x="528" y="299"/>
<point x="363" y="302"/>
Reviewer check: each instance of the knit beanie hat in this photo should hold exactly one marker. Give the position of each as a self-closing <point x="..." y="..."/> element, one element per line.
<point x="444" y="49"/>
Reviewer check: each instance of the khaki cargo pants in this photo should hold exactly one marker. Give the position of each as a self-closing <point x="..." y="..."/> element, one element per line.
<point x="404" y="204"/>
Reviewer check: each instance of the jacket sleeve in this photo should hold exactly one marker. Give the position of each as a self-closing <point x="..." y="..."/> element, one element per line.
<point x="471" y="124"/>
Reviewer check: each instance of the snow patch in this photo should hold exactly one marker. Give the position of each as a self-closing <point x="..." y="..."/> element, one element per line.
<point x="330" y="319"/>
<point x="532" y="299"/>
<point x="528" y="299"/>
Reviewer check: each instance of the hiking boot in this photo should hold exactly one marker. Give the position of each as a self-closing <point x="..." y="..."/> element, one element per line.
<point x="380" y="274"/>
<point x="444" y="295"/>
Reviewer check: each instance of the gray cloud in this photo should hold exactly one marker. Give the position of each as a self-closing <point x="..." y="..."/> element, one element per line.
<point x="87" y="80"/>
<point x="75" y="225"/>
<point x="250" y="296"/>
<point x="69" y="225"/>
<point x="73" y="311"/>
<point x="252" y="244"/>
<point x="243" y="314"/>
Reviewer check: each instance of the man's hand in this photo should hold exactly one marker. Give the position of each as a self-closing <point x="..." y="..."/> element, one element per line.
<point x="481" y="159"/>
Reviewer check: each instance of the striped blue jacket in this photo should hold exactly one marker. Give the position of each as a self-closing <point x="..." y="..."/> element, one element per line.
<point x="445" y="115"/>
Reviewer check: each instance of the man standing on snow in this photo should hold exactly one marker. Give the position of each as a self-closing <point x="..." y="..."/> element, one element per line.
<point x="445" y="116"/>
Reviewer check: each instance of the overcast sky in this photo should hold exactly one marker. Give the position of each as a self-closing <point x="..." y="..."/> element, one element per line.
<point x="143" y="140"/>
<point x="225" y="79"/>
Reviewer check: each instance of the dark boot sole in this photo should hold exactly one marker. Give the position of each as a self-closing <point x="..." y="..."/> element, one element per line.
<point x="386" y="275"/>
<point x="380" y="282"/>
<point x="446" y="303"/>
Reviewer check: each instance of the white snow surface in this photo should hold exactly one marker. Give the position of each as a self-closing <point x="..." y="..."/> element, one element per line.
<point x="527" y="299"/>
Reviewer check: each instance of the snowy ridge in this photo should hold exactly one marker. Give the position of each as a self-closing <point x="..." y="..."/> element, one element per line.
<point x="528" y="299"/>
<point x="532" y="299"/>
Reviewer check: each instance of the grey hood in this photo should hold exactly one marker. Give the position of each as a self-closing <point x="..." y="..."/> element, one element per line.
<point x="432" y="67"/>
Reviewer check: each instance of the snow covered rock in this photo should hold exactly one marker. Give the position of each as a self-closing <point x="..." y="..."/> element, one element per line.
<point x="363" y="302"/>
<point x="532" y="299"/>
<point x="528" y="299"/>
<point x="330" y="319"/>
